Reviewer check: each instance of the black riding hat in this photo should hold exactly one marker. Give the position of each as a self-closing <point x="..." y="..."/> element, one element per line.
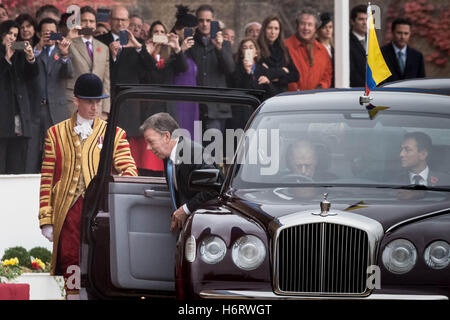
<point x="89" y="86"/>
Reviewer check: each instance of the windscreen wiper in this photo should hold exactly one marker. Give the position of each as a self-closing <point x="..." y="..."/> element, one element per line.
<point x="422" y="187"/>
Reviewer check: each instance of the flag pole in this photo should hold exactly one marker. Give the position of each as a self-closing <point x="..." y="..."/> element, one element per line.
<point x="365" y="98"/>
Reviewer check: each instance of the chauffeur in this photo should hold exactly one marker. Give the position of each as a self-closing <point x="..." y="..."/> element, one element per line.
<point x="71" y="160"/>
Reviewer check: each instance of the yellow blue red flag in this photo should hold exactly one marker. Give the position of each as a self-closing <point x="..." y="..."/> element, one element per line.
<point x="377" y="69"/>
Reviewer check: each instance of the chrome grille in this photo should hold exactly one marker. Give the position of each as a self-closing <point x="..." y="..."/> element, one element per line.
<point x="322" y="258"/>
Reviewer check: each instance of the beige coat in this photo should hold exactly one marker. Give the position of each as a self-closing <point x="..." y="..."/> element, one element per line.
<point x="82" y="63"/>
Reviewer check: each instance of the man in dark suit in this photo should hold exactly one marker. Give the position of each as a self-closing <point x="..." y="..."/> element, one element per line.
<point x="403" y="61"/>
<point x="181" y="156"/>
<point x="55" y="68"/>
<point x="415" y="150"/>
<point x="127" y="66"/>
<point x="214" y="60"/>
<point x="125" y="61"/>
<point x="358" y="22"/>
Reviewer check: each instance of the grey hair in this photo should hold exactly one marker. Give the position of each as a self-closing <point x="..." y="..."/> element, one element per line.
<point x="308" y="11"/>
<point x="160" y="122"/>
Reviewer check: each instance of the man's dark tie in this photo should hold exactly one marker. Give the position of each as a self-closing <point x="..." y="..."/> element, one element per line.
<point x="170" y="182"/>
<point x="401" y="63"/>
<point x="417" y="179"/>
<point x="45" y="59"/>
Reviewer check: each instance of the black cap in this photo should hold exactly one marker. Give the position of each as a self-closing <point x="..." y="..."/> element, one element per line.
<point x="184" y="18"/>
<point x="89" y="86"/>
<point x="324" y="19"/>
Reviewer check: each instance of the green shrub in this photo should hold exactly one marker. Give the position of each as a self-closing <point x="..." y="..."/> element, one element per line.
<point x="20" y="253"/>
<point x="42" y="253"/>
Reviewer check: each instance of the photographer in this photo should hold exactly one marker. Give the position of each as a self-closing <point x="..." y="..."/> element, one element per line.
<point x="214" y="60"/>
<point x="16" y="68"/>
<point x="166" y="51"/>
<point x="249" y="73"/>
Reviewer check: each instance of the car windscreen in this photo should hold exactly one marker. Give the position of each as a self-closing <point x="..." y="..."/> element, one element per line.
<point x="344" y="148"/>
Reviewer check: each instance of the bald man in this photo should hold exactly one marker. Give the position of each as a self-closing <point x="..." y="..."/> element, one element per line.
<point x="303" y="159"/>
<point x="126" y="61"/>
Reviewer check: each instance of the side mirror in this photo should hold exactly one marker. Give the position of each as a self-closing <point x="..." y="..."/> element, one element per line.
<point x="205" y="180"/>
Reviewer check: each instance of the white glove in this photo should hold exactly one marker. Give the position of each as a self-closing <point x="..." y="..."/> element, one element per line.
<point x="47" y="231"/>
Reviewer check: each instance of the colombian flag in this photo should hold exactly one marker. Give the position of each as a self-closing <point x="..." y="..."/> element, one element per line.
<point x="377" y="70"/>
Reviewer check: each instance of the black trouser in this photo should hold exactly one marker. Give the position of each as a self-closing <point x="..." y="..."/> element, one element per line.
<point x="13" y="155"/>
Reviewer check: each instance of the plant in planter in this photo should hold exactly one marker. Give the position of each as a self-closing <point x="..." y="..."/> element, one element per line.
<point x="10" y="269"/>
<point x="20" y="253"/>
<point x="41" y="253"/>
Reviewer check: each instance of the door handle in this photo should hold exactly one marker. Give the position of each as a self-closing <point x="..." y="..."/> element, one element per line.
<point x="150" y="193"/>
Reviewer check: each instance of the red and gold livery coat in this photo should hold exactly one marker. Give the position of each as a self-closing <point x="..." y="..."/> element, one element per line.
<point x="65" y="158"/>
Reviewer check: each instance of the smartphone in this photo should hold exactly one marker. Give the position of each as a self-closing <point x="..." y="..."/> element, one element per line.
<point x="248" y="56"/>
<point x="55" y="36"/>
<point x="214" y="29"/>
<point x="18" y="45"/>
<point x="103" y="14"/>
<point x="160" y="39"/>
<point x="123" y="37"/>
<point x="86" y="32"/>
<point x="188" y="32"/>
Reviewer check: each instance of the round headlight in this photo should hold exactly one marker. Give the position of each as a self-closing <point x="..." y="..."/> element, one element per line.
<point x="212" y="249"/>
<point x="248" y="252"/>
<point x="437" y="255"/>
<point x="399" y="256"/>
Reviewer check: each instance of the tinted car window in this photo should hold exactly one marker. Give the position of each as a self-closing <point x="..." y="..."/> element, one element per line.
<point x="347" y="147"/>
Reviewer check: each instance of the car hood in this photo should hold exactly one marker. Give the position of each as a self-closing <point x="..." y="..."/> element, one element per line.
<point x="387" y="206"/>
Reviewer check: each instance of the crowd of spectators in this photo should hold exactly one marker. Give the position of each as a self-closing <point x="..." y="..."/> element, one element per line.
<point x="36" y="81"/>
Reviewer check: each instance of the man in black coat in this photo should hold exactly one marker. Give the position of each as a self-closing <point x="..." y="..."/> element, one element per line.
<point x="128" y="64"/>
<point x="358" y="22"/>
<point x="126" y="61"/>
<point x="181" y="156"/>
<point x="403" y="61"/>
<point x="214" y="61"/>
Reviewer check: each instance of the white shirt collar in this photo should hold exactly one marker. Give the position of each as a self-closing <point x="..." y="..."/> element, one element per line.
<point x="86" y="40"/>
<point x="358" y="36"/>
<point x="115" y="36"/>
<point x="424" y="174"/>
<point x="396" y="49"/>
<point x="173" y="154"/>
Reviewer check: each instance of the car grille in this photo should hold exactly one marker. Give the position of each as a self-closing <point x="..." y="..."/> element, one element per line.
<point x="322" y="258"/>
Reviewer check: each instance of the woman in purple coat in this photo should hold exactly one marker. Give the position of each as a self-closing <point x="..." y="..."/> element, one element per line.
<point x="187" y="112"/>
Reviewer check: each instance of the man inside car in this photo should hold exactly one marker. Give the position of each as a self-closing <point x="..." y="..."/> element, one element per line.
<point x="415" y="151"/>
<point x="303" y="159"/>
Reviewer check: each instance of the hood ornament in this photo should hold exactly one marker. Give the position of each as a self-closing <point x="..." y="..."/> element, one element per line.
<point x="325" y="206"/>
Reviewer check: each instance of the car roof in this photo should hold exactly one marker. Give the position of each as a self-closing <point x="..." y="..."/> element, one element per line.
<point x="442" y="84"/>
<point x="400" y="100"/>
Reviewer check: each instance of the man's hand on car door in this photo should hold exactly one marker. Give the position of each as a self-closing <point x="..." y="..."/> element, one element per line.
<point x="178" y="219"/>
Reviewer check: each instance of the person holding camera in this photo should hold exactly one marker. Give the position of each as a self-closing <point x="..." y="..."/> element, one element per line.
<point x="166" y="51"/>
<point x="249" y="73"/>
<point x="187" y="112"/>
<point x="214" y="60"/>
<point x="89" y="56"/>
<point x="55" y="68"/>
<point x="17" y="67"/>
